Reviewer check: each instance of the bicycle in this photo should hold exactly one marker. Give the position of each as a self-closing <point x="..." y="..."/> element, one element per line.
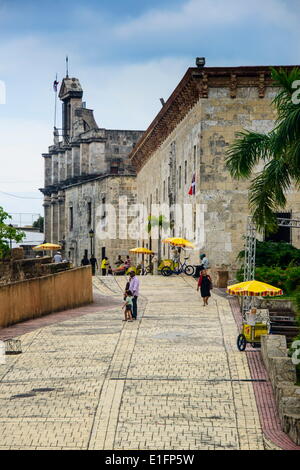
<point x="182" y="268"/>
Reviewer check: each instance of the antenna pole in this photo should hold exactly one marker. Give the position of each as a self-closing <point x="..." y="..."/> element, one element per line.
<point x="67" y="67"/>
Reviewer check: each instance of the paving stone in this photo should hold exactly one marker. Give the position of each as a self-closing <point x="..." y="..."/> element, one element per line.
<point x="173" y="379"/>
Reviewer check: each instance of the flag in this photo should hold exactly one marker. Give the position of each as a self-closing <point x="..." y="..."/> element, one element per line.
<point x="192" y="190"/>
<point x="55" y="84"/>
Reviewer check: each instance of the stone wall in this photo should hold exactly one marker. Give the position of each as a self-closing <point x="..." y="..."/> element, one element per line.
<point x="33" y="298"/>
<point x="282" y="374"/>
<point x="197" y="146"/>
<point x="102" y="195"/>
<point x="20" y="270"/>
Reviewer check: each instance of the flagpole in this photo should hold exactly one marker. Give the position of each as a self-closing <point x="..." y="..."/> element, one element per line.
<point x="55" y="105"/>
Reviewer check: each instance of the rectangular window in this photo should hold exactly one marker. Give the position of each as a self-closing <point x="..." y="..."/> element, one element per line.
<point x="195" y="157"/>
<point x="185" y="172"/>
<point x="179" y="177"/>
<point x="71" y="220"/>
<point x="283" y="234"/>
<point x="164" y="191"/>
<point x="103" y="211"/>
<point x="89" y="208"/>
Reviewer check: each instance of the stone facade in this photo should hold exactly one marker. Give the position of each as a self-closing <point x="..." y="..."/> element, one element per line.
<point x="86" y="166"/>
<point x="189" y="137"/>
<point x="97" y="205"/>
<point x="282" y="374"/>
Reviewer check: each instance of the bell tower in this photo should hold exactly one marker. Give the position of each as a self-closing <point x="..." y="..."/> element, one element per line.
<point x="71" y="96"/>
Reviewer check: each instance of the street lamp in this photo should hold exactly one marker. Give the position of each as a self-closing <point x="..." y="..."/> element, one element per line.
<point x="10" y="240"/>
<point x="91" y="235"/>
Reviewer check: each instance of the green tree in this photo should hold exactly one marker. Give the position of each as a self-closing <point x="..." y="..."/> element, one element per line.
<point x="8" y="233"/>
<point x="39" y="223"/>
<point x="279" y="150"/>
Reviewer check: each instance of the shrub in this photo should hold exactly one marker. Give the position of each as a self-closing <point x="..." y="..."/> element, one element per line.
<point x="273" y="254"/>
<point x="286" y="279"/>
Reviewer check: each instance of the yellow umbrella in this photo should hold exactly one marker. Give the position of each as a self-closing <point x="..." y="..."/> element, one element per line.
<point x="254" y="289"/>
<point x="46" y="246"/>
<point x="179" y="242"/>
<point x="142" y="250"/>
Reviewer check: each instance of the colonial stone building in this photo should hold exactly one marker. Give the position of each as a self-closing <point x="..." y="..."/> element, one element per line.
<point x="86" y="170"/>
<point x="188" y="139"/>
<point x="90" y="170"/>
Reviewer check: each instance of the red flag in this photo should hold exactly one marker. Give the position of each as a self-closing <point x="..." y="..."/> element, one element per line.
<point x="192" y="190"/>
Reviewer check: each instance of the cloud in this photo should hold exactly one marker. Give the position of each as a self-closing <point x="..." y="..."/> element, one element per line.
<point x="127" y="96"/>
<point x="207" y="14"/>
<point x="124" y="62"/>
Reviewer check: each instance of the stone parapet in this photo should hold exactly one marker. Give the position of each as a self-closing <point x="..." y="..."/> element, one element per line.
<point x="282" y="374"/>
<point x="33" y="298"/>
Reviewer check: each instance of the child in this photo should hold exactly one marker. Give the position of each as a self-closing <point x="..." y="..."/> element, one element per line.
<point x="128" y="306"/>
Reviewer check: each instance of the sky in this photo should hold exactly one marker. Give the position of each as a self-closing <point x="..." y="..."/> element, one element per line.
<point x="127" y="55"/>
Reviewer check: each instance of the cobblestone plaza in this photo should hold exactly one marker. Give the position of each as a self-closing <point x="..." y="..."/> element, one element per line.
<point x="171" y="380"/>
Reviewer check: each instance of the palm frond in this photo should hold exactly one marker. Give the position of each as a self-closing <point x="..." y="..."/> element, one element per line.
<point x="293" y="157"/>
<point x="288" y="129"/>
<point x="285" y="81"/>
<point x="246" y="151"/>
<point x="267" y="193"/>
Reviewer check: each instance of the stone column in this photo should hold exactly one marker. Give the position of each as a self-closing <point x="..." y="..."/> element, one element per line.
<point x="68" y="163"/>
<point x="47" y="169"/>
<point x="54" y="168"/>
<point x="75" y="160"/>
<point x="61" y="216"/>
<point x="61" y="219"/>
<point x="55" y="222"/>
<point x="84" y="159"/>
<point x="61" y="167"/>
<point x="47" y="218"/>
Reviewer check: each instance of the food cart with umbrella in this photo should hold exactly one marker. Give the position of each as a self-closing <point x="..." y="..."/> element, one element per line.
<point x="143" y="251"/>
<point x="182" y="267"/>
<point x="47" y="247"/>
<point x="254" y="324"/>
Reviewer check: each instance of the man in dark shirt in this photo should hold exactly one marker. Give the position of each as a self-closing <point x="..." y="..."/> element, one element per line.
<point x="94" y="264"/>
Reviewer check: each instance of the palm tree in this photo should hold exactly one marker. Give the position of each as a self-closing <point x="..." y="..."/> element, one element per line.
<point x="160" y="222"/>
<point x="279" y="150"/>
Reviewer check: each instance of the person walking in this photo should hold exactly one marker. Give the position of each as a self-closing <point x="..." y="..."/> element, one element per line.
<point x="104" y="265"/>
<point x="94" y="264"/>
<point x="205" y="286"/>
<point x="134" y="287"/>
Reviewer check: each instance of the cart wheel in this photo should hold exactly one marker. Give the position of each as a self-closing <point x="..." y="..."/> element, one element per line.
<point x="241" y="342"/>
<point x="166" y="271"/>
<point x="189" y="270"/>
